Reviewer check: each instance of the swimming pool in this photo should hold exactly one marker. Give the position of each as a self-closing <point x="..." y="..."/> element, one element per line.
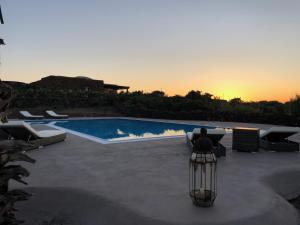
<point x="108" y="131"/>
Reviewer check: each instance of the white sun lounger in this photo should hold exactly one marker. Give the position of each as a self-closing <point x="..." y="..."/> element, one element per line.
<point x="55" y="115"/>
<point x="28" y="115"/>
<point x="20" y="130"/>
<point x="214" y="134"/>
<point x="276" y="139"/>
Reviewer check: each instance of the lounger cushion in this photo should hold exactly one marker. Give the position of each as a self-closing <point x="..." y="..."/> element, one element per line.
<point x="214" y="134"/>
<point x="216" y="131"/>
<point x="279" y="133"/>
<point x="14" y="124"/>
<point x="55" y="115"/>
<point x="29" y="115"/>
<point x="49" y="133"/>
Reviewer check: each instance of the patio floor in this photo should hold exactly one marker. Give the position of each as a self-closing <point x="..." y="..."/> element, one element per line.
<point x="81" y="182"/>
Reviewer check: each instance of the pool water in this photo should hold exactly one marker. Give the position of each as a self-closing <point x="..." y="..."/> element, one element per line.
<point x="114" y="130"/>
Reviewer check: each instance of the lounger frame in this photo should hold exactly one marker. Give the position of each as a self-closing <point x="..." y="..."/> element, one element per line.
<point x="23" y="133"/>
<point x="282" y="146"/>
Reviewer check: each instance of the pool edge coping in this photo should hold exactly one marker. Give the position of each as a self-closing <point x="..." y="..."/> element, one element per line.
<point x="105" y="142"/>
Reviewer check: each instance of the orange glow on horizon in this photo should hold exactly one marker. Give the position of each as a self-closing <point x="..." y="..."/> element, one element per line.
<point x="253" y="85"/>
<point x="221" y="88"/>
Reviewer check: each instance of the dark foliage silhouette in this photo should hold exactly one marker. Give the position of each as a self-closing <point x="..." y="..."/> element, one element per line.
<point x="194" y="106"/>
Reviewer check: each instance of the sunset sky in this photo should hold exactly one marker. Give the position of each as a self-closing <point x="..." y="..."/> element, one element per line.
<point x="243" y="48"/>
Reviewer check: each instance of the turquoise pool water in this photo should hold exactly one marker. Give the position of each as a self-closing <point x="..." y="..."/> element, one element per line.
<point x="113" y="130"/>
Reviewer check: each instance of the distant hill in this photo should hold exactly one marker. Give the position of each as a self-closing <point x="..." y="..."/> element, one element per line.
<point x="68" y="83"/>
<point x="16" y="85"/>
<point x="80" y="83"/>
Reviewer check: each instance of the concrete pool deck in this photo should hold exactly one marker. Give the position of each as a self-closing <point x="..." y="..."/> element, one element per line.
<point x="147" y="183"/>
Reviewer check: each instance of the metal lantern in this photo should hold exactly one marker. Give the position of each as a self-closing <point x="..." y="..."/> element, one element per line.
<point x="203" y="178"/>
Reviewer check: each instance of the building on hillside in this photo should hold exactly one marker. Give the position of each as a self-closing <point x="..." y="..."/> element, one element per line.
<point x="79" y="83"/>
